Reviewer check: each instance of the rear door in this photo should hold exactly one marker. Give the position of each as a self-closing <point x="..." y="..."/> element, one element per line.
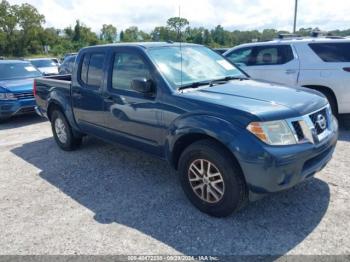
<point x="87" y="89"/>
<point x="272" y="63"/>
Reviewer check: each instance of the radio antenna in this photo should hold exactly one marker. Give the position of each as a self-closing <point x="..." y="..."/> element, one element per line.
<point x="180" y="42"/>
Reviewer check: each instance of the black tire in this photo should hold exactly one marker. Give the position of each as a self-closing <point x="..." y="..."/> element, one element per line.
<point x="4" y="119"/>
<point x="332" y="102"/>
<point x="71" y="142"/>
<point x="235" y="191"/>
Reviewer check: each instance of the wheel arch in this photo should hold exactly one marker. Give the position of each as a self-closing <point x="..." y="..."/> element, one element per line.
<point x="325" y="90"/>
<point x="54" y="105"/>
<point x="186" y="140"/>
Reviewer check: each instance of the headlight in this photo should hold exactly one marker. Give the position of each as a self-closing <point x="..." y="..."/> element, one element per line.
<point x="273" y="133"/>
<point x="7" y="96"/>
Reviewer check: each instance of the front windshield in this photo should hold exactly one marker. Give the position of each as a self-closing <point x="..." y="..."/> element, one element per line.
<point x="17" y="71"/>
<point x="43" y="63"/>
<point x="199" y="64"/>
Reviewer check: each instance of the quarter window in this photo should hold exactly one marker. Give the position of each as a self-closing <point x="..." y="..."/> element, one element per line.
<point x="332" y="52"/>
<point x="126" y="67"/>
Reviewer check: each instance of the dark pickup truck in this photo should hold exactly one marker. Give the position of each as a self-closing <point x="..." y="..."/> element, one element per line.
<point x="230" y="138"/>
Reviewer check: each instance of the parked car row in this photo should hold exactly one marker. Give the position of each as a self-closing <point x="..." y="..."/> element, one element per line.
<point x="16" y="87"/>
<point x="16" y="82"/>
<point x="67" y="64"/>
<point x="47" y="66"/>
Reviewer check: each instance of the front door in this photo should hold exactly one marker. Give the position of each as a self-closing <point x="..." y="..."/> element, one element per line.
<point x="133" y="117"/>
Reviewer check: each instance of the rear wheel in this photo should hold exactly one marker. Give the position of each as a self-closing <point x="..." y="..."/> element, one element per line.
<point x="63" y="133"/>
<point x="211" y="180"/>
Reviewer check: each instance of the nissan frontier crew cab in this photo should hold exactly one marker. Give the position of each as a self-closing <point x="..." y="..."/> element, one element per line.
<point x="231" y="139"/>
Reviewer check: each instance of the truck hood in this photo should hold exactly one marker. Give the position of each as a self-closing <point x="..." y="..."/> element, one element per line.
<point x="265" y="100"/>
<point x="17" y="86"/>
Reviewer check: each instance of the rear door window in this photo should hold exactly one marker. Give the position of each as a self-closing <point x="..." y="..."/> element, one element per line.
<point x="271" y="55"/>
<point x="84" y="68"/>
<point x="332" y="52"/>
<point x="91" y="72"/>
<point x="95" y="71"/>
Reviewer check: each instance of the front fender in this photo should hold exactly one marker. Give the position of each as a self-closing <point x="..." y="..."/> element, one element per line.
<point x="221" y="130"/>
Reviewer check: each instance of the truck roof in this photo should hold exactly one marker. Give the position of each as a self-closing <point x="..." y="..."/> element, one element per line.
<point x="145" y="44"/>
<point x="297" y="40"/>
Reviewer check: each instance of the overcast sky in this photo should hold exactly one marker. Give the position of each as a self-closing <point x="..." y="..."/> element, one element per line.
<point x="232" y="14"/>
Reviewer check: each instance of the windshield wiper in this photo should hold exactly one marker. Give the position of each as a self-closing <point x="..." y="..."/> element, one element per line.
<point x="211" y="82"/>
<point x="225" y="79"/>
<point x="194" y="85"/>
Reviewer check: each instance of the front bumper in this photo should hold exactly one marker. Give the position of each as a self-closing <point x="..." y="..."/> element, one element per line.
<point x="270" y="169"/>
<point x="9" y="108"/>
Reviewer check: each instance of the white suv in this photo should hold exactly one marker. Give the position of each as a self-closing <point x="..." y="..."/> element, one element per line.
<point x="322" y="64"/>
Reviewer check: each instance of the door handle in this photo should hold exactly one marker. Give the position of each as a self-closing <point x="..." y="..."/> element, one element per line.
<point x="290" y="71"/>
<point x="77" y="93"/>
<point x="109" y="99"/>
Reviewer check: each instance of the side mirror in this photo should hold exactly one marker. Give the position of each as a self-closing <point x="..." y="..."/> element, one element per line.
<point x="240" y="64"/>
<point x="142" y="85"/>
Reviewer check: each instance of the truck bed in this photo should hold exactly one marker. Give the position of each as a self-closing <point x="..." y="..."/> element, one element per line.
<point x="55" y="87"/>
<point x="56" y="81"/>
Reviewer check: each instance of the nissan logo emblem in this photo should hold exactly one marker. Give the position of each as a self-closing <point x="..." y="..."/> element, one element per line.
<point x="321" y="121"/>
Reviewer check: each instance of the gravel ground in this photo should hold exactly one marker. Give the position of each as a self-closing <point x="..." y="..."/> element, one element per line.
<point x="105" y="199"/>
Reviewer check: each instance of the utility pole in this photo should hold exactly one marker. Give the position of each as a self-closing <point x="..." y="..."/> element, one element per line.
<point x="295" y="16"/>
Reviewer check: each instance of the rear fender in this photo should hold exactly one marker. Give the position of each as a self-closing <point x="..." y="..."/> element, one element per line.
<point x="59" y="100"/>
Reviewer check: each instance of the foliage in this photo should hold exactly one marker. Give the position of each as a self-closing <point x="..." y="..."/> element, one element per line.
<point x="177" y="24"/>
<point x="108" y="33"/>
<point x="22" y="33"/>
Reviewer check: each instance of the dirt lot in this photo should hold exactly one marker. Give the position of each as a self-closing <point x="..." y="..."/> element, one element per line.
<point x="105" y="199"/>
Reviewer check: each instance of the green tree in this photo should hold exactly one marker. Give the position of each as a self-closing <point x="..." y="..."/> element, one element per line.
<point x="268" y="34"/>
<point x="8" y="22"/>
<point x="177" y="24"/>
<point x="81" y="36"/>
<point x="133" y="34"/>
<point x="76" y="37"/>
<point x="121" y="36"/>
<point x="108" y="33"/>
<point x="30" y="22"/>
<point x="163" y="33"/>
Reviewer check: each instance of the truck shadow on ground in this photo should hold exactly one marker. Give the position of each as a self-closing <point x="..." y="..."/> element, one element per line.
<point x="130" y="188"/>
<point x="21" y="121"/>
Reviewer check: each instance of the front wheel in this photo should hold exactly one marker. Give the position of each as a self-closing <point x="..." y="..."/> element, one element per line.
<point x="4" y="119"/>
<point x="63" y="133"/>
<point x="211" y="179"/>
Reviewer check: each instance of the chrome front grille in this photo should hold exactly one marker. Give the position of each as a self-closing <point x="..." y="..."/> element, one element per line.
<point x="26" y="95"/>
<point x="313" y="127"/>
<point x="317" y="119"/>
<point x="298" y="131"/>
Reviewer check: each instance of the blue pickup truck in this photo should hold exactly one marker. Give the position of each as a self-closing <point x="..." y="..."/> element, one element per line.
<point x="231" y="139"/>
<point x="16" y="88"/>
